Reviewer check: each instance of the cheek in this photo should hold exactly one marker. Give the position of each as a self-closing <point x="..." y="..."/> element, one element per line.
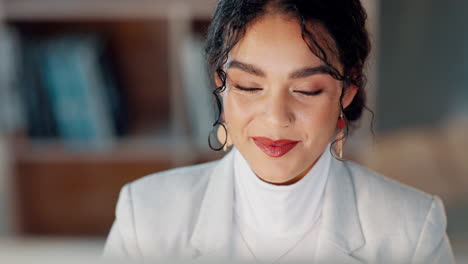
<point x="238" y="110"/>
<point x="320" y="116"/>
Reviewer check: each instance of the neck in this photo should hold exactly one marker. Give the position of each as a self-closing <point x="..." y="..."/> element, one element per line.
<point x="273" y="209"/>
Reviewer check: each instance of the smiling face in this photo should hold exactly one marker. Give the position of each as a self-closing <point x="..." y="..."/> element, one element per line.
<point x="277" y="89"/>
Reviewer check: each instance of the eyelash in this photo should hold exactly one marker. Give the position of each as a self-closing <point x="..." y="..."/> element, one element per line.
<point x="252" y="90"/>
<point x="314" y="93"/>
<point x="249" y="90"/>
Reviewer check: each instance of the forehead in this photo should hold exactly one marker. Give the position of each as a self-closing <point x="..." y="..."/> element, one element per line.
<point x="274" y="43"/>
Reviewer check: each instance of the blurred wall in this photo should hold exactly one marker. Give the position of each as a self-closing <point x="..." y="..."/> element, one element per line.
<point x="424" y="62"/>
<point x="4" y="170"/>
<point x="362" y="137"/>
<point x="422" y="103"/>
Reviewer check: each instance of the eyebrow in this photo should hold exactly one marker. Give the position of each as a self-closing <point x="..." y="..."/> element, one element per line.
<point x="297" y="74"/>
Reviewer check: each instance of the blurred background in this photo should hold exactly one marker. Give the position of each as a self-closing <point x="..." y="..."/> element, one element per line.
<point x="96" y="93"/>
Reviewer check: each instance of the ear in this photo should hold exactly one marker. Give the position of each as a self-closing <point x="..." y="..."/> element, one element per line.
<point x="218" y="82"/>
<point x="349" y="95"/>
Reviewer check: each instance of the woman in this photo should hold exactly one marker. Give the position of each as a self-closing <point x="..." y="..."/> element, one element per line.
<point x="289" y="78"/>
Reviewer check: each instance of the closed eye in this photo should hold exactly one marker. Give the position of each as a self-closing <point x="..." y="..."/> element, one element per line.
<point x="247" y="89"/>
<point x="310" y="93"/>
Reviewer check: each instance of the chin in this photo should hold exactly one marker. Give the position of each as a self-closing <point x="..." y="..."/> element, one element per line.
<point x="276" y="173"/>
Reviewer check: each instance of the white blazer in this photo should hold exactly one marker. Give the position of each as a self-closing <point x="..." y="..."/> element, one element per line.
<point x="367" y="218"/>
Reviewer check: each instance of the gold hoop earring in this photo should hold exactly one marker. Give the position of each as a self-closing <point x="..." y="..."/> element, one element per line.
<point x="223" y="136"/>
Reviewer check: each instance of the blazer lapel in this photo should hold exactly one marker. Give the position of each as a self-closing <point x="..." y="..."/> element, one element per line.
<point x="341" y="231"/>
<point x="213" y="227"/>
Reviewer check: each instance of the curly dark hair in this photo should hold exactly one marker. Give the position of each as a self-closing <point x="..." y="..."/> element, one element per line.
<point x="345" y="36"/>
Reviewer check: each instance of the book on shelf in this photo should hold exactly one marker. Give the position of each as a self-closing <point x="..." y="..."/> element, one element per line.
<point x="11" y="117"/>
<point x="40" y="121"/>
<point x="70" y="91"/>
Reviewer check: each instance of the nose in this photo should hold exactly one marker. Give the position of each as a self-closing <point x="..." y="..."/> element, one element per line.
<point x="277" y="111"/>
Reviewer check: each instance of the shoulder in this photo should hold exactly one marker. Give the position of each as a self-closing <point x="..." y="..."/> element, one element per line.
<point x="158" y="208"/>
<point x="164" y="200"/>
<point x="170" y="191"/>
<point x="166" y="185"/>
<point x="392" y="208"/>
<point x="373" y="183"/>
<point x="373" y="188"/>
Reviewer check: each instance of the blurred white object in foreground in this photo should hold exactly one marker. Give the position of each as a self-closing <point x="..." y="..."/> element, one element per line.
<point x="50" y="251"/>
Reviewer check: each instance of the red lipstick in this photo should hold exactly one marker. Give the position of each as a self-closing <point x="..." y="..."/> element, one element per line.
<point x="274" y="148"/>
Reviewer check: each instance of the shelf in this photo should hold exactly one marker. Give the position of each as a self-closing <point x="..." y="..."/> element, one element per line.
<point x="63" y="193"/>
<point x="174" y="152"/>
<point x="34" y="10"/>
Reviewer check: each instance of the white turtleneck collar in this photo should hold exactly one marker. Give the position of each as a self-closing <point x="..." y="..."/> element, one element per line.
<point x="279" y="210"/>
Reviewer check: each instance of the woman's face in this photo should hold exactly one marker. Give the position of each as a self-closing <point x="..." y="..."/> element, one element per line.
<point x="275" y="92"/>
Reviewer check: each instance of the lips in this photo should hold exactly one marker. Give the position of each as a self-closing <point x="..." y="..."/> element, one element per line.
<point x="274" y="148"/>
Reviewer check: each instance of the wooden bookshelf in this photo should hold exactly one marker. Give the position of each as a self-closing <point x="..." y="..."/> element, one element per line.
<point x="63" y="192"/>
<point x="58" y="192"/>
